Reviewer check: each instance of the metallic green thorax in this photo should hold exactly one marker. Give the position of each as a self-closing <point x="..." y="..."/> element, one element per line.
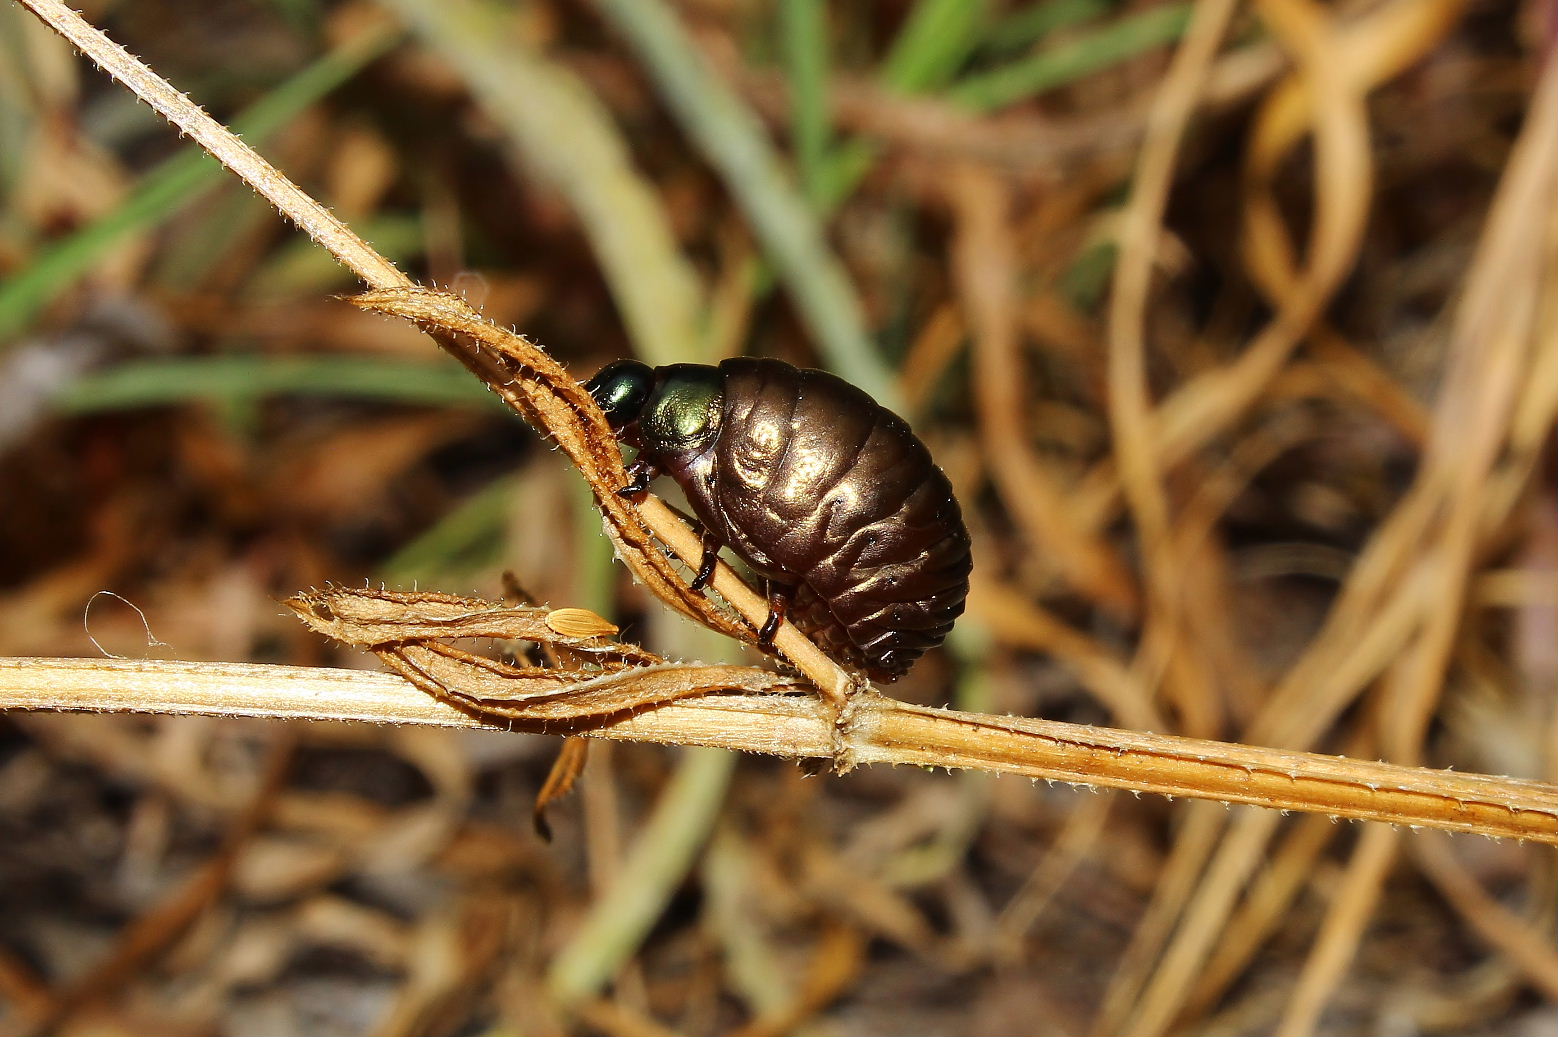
<point x="683" y="409"/>
<point x="665" y="409"/>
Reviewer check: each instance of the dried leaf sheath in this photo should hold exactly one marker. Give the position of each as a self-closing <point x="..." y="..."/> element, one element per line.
<point x="367" y="618"/>
<point x="479" y="685"/>
<point x="409" y="631"/>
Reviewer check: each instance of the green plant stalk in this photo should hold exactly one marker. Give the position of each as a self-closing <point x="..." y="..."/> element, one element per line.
<point x="1055" y="66"/>
<point x="562" y="131"/>
<point x="755" y="972"/>
<point x="594" y="580"/>
<point x="1027" y="25"/>
<point x="153" y="383"/>
<point x="804" y="28"/>
<point x="736" y="144"/>
<point x="662" y="855"/>
<point x="478" y="520"/>
<point x="937" y="38"/>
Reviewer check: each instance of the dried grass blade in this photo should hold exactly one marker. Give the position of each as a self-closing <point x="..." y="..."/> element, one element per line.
<point x="559" y="782"/>
<point x="367" y="618"/>
<point x="494" y="689"/>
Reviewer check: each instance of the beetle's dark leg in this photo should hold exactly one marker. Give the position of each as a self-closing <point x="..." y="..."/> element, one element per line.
<point x="640" y="472"/>
<point x="778" y="607"/>
<point x="708" y="561"/>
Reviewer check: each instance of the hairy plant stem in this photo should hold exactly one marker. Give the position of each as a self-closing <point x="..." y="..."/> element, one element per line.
<point x="880" y="730"/>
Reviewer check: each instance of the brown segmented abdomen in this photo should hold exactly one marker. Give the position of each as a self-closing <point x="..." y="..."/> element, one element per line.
<point x="821" y="489"/>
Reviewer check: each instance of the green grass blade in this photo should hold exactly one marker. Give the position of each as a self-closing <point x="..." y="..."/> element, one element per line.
<point x="563" y="131"/>
<point x="909" y="66"/>
<point x="1057" y="66"/>
<point x="733" y="140"/>
<point x="1027" y="25"/>
<point x="301" y="268"/>
<point x="238" y="379"/>
<point x="937" y="38"/>
<point x="803" y="25"/>
<point x="665" y="850"/>
<point x="468" y="539"/>
<point x="172" y="185"/>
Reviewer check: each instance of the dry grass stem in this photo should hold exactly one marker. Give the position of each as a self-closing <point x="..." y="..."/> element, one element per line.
<point x="985" y="263"/>
<point x="881" y="730"/>
<point x="1403" y="598"/>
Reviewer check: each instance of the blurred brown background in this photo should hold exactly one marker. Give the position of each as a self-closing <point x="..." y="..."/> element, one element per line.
<point x="1277" y="467"/>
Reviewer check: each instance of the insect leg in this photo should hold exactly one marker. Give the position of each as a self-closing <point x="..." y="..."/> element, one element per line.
<point x="640" y="472"/>
<point x="710" y="558"/>
<point x="778" y="606"/>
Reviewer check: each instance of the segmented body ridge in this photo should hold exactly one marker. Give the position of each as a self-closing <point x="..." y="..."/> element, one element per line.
<point x="822" y="490"/>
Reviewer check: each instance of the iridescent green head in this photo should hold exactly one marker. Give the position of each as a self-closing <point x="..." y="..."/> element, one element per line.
<point x="674" y="408"/>
<point x="622" y="388"/>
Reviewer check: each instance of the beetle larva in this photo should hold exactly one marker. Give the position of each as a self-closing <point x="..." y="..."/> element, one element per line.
<point x="822" y="491"/>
